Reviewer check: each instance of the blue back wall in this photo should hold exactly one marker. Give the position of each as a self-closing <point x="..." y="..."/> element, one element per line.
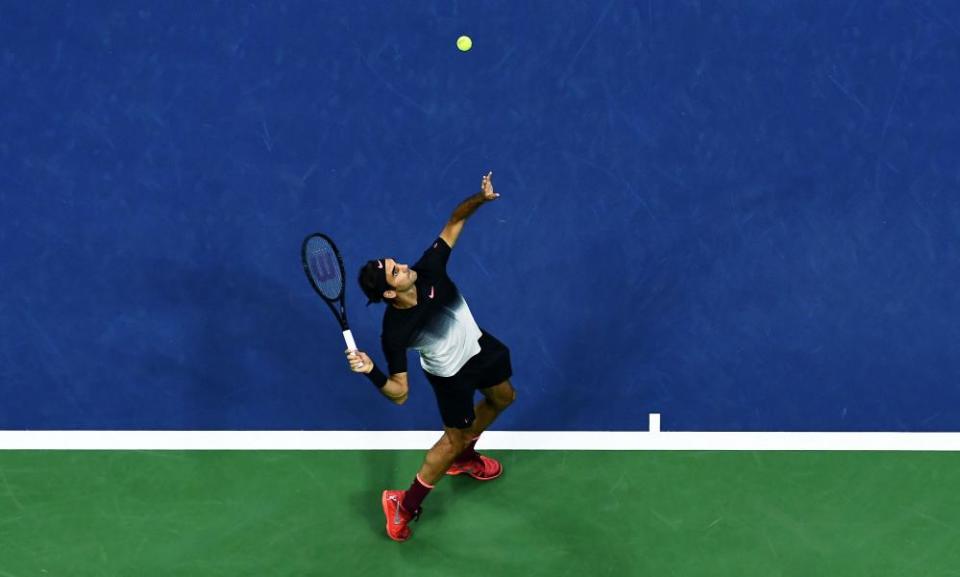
<point x="744" y="216"/>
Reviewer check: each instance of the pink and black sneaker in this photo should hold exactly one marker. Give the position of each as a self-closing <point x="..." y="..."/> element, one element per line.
<point x="481" y="467"/>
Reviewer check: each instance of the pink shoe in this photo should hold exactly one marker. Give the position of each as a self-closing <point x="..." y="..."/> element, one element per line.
<point x="482" y="468"/>
<point x="397" y="516"/>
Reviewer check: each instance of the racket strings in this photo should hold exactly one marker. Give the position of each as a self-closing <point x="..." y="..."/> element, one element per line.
<point x="324" y="268"/>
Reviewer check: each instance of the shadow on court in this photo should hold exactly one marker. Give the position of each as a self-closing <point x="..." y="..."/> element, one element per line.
<point x="381" y="471"/>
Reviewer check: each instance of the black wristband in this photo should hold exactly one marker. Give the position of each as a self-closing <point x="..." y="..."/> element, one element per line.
<point x="377" y="377"/>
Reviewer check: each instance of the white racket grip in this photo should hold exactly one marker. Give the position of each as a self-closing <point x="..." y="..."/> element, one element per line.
<point x="348" y="337"/>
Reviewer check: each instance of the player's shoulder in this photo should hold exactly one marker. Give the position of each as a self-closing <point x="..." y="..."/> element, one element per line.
<point x="437" y="245"/>
<point x="438" y="249"/>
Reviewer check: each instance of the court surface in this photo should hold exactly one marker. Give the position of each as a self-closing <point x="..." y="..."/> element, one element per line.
<point x="230" y="513"/>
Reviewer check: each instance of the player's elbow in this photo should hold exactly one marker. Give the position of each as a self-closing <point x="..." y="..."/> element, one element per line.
<point x="398" y="396"/>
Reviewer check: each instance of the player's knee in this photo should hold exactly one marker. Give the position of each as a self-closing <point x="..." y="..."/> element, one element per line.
<point x="504" y="397"/>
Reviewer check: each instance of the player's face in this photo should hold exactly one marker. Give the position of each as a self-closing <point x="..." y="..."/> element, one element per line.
<point x="400" y="276"/>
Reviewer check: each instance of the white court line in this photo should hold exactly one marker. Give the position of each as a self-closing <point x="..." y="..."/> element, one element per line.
<point x="491" y="440"/>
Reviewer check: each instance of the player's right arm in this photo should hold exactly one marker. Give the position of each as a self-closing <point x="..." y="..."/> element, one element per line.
<point x="451" y="232"/>
<point x="395" y="389"/>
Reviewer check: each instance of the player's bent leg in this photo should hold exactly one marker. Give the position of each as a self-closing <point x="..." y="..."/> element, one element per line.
<point x="500" y="396"/>
<point x="495" y="400"/>
<point x="481" y="467"/>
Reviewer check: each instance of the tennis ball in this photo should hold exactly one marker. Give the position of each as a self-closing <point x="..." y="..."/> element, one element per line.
<point x="464" y="43"/>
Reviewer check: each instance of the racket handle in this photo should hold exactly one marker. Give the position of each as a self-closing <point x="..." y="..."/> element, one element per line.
<point x="348" y="337"/>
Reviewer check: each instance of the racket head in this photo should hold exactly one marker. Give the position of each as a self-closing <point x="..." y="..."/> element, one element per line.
<point x="323" y="266"/>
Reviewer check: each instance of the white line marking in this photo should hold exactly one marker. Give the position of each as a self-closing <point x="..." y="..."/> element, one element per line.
<point x="654" y="422"/>
<point x="497" y="440"/>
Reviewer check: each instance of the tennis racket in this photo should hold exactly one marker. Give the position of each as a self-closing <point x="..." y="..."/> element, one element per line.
<point x="324" y="267"/>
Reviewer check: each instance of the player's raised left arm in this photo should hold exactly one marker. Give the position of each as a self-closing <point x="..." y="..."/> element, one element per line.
<point x="454" y="226"/>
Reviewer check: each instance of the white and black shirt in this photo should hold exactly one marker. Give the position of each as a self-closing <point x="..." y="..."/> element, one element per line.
<point x="440" y="327"/>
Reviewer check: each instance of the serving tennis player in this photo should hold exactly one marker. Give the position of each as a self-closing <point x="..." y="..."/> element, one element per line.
<point x="427" y="313"/>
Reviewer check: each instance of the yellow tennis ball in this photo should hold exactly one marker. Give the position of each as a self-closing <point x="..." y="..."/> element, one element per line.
<point x="464" y="43"/>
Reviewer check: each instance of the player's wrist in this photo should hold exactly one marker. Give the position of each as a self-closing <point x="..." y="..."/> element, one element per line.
<point x="376" y="377"/>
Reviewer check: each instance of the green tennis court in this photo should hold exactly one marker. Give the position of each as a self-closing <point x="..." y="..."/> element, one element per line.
<point x="230" y="513"/>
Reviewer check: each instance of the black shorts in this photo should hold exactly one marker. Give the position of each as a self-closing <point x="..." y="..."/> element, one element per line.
<point x="489" y="367"/>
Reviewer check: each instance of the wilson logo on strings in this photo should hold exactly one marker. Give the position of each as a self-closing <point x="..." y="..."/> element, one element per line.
<point x="324" y="268"/>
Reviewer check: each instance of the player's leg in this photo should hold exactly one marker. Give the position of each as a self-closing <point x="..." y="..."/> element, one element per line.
<point x="400" y="507"/>
<point x="457" y="444"/>
<point x="461" y="429"/>
<point x="455" y="401"/>
<point x="490" y="373"/>
<point x="495" y="400"/>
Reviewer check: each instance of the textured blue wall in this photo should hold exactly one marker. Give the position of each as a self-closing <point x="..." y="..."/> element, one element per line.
<point x="745" y="216"/>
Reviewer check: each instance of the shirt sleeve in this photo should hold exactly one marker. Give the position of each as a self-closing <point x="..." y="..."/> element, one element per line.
<point x="435" y="258"/>
<point x="396" y="356"/>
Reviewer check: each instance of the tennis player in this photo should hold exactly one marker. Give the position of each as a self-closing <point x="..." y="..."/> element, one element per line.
<point x="427" y="313"/>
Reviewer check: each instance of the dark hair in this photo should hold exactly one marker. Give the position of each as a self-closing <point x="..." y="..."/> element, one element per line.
<point x="373" y="280"/>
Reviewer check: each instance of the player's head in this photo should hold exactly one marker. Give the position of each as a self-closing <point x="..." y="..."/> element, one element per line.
<point x="383" y="278"/>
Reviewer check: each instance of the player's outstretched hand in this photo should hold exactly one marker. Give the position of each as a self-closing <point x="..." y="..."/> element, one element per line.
<point x="486" y="187"/>
<point x="359" y="361"/>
